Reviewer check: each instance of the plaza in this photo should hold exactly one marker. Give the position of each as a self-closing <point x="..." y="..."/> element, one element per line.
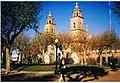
<point x="75" y="55"/>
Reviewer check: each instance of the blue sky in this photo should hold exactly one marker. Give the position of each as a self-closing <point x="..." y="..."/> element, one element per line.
<point x="96" y="16"/>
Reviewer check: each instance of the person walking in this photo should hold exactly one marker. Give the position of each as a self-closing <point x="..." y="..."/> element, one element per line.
<point x="63" y="69"/>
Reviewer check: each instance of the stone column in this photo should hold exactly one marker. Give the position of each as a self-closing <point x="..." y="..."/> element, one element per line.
<point x="101" y="60"/>
<point x="84" y="58"/>
<point x="106" y="58"/>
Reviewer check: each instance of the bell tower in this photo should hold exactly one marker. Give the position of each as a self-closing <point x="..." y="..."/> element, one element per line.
<point x="50" y="25"/>
<point x="76" y="22"/>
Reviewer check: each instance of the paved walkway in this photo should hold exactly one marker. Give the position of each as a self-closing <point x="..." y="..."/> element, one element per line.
<point x="113" y="76"/>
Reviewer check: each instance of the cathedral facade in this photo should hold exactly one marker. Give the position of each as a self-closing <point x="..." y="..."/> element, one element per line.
<point x="76" y="23"/>
<point x="76" y="29"/>
<point x="77" y="32"/>
<point x="50" y="25"/>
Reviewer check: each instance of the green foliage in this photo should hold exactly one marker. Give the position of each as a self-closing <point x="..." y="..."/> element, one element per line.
<point x="110" y="40"/>
<point x="22" y="41"/>
<point x="107" y="40"/>
<point x="17" y="17"/>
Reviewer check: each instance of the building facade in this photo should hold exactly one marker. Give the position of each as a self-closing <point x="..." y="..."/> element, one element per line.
<point x="76" y="29"/>
<point x="50" y="25"/>
<point x="76" y="22"/>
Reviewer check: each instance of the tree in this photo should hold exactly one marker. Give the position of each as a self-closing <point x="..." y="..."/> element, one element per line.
<point x="21" y="42"/>
<point x="64" y="39"/>
<point x="108" y="40"/>
<point x="86" y="43"/>
<point x="82" y="45"/>
<point x="98" y="46"/>
<point x="46" y="39"/>
<point x="3" y="46"/>
<point x="17" y="17"/>
<point x="40" y="42"/>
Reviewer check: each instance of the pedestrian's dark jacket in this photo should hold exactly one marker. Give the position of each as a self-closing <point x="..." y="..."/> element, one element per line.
<point x="63" y="67"/>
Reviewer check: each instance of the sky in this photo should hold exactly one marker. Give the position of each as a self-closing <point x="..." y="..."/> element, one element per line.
<point x="96" y="16"/>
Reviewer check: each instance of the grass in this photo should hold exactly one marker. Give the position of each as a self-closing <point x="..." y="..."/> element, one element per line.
<point x="24" y="67"/>
<point x="72" y="69"/>
<point x="52" y="67"/>
<point x="37" y="68"/>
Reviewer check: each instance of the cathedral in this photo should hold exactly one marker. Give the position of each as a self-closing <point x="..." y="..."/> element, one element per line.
<point x="50" y="25"/>
<point x="80" y="49"/>
<point x="76" y="23"/>
<point x="76" y="29"/>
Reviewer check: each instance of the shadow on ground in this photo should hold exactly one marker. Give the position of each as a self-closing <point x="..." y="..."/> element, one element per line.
<point x="85" y="73"/>
<point x="74" y="74"/>
<point x="23" y="77"/>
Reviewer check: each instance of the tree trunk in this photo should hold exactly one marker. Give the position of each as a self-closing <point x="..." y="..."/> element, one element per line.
<point x="82" y="62"/>
<point x="43" y="53"/>
<point x="21" y="59"/>
<point x="4" y="57"/>
<point x="106" y="58"/>
<point x="100" y="59"/>
<point x="84" y="57"/>
<point x="8" y="58"/>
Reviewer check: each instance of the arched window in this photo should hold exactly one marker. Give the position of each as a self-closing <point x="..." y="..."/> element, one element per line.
<point x="74" y="14"/>
<point x="80" y="24"/>
<point x="52" y="31"/>
<point x="77" y="13"/>
<point x="50" y="21"/>
<point x="74" y="25"/>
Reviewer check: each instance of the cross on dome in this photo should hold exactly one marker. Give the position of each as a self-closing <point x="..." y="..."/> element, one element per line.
<point x="50" y="13"/>
<point x="76" y="4"/>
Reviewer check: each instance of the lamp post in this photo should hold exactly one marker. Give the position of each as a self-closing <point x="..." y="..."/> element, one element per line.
<point x="56" y="42"/>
